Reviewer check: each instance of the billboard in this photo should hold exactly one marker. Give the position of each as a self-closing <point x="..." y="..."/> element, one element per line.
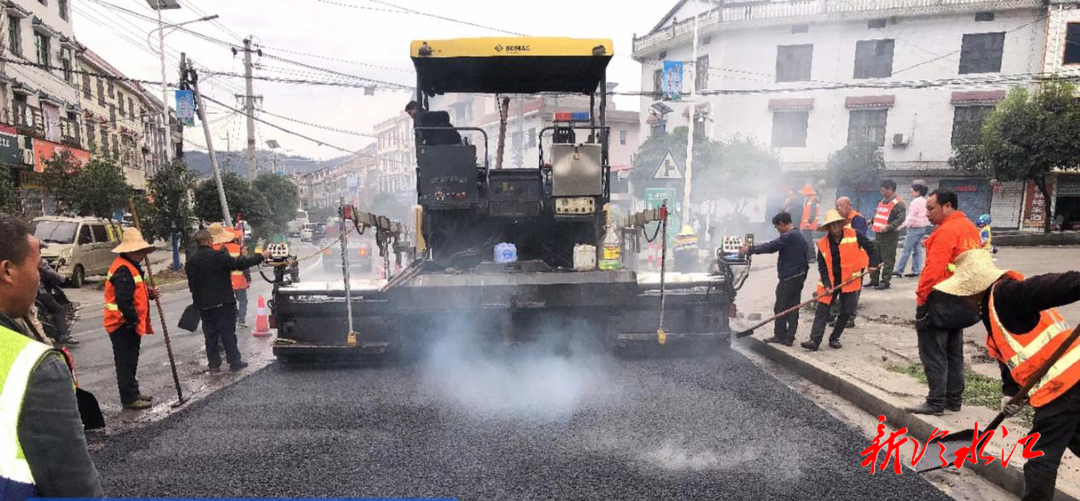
<point x="185" y="107"/>
<point x="671" y="80"/>
<point x="44" y="150"/>
<point x="9" y="146"/>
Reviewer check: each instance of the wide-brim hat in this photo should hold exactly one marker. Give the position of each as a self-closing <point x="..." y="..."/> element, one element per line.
<point x="975" y="272"/>
<point x="219" y="234"/>
<point x="832" y="216"/>
<point x="132" y="241"/>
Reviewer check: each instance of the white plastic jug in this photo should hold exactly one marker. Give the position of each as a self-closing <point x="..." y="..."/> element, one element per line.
<point x="584" y="257"/>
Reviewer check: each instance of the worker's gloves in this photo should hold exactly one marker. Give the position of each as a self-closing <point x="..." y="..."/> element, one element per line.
<point x="1013" y="409"/>
<point x="922" y="317"/>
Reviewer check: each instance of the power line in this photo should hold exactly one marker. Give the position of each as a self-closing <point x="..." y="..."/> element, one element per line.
<point x="319" y="126"/>
<point x="406" y="10"/>
<point x="278" y="127"/>
<point x="340" y="60"/>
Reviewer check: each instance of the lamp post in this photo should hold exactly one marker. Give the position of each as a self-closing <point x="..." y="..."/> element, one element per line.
<point x="274" y="145"/>
<point x="160" y="5"/>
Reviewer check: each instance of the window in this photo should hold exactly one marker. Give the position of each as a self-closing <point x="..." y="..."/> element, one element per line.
<point x="112" y="114"/>
<point x="867" y="126"/>
<point x="116" y="145"/>
<point x="104" y="142"/>
<point x="15" y="34"/>
<point x="532" y="137"/>
<point x="981" y="52"/>
<point x="873" y="58"/>
<point x="41" y="44"/>
<point x="120" y="103"/>
<point x="657" y="77"/>
<point x="967" y="124"/>
<point x="706" y="40"/>
<point x="112" y="89"/>
<point x="65" y="63"/>
<point x="800" y="28"/>
<point x="63" y="6"/>
<point x="701" y="73"/>
<point x="100" y="235"/>
<point x="84" y="235"/>
<point x="876" y="23"/>
<point x="789" y="129"/>
<point x="101" y="92"/>
<point x="984" y="17"/>
<point x="1072" y="44"/>
<point x="131" y="108"/>
<point x="622" y="137"/>
<point x="87" y="91"/>
<point x="90" y="139"/>
<point x="793" y="62"/>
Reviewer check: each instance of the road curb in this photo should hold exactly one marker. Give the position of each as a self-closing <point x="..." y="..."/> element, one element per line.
<point x="1010" y="478"/>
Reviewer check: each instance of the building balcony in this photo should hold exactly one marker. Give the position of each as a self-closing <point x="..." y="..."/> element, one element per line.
<point x="732" y="15"/>
<point x="27" y="119"/>
<point x="70" y="133"/>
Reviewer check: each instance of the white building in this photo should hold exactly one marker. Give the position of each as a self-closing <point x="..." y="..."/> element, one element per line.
<point x="912" y="76"/>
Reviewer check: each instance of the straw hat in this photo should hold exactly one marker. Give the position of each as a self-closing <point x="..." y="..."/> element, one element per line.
<point x="132" y="241"/>
<point x="975" y="272"/>
<point x="219" y="234"/>
<point x="832" y="216"/>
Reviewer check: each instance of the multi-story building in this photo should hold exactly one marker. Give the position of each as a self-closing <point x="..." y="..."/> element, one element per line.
<point x="913" y="77"/>
<point x="395" y="154"/>
<point x="39" y="102"/>
<point x="354" y="179"/>
<point x="122" y="119"/>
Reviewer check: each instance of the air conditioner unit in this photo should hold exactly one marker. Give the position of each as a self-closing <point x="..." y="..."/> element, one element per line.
<point x="28" y="157"/>
<point x="900" y="140"/>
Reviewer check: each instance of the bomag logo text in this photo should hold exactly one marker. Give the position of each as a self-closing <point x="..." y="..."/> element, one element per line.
<point x="517" y="48"/>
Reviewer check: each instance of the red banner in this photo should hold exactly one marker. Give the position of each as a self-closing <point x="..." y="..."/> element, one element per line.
<point x="44" y="150"/>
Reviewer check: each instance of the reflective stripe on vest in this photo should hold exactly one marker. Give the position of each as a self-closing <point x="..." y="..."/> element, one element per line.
<point x="113" y="319"/>
<point x="852" y="261"/>
<point x="19" y="355"/>
<point x="881" y="217"/>
<point x="1026" y="353"/>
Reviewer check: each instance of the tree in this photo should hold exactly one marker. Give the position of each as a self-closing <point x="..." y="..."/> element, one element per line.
<point x="60" y="179"/>
<point x="170" y="210"/>
<point x="386" y="204"/>
<point x="745" y="169"/>
<point x="240" y="197"/>
<point x="1026" y="137"/>
<point x="855" y="164"/>
<point x="706" y="152"/>
<point x="102" y="189"/>
<point x="9" y="197"/>
<point x="282" y="201"/>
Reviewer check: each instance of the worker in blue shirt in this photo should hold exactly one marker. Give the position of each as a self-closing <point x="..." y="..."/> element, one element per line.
<point x="791" y="268"/>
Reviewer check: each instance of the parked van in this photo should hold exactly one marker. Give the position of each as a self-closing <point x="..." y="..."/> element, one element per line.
<point x="78" y="247"/>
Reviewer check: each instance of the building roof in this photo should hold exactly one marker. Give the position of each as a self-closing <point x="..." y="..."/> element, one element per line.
<point x="95" y="59"/>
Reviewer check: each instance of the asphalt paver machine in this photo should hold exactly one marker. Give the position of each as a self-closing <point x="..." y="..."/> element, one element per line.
<point x="455" y="284"/>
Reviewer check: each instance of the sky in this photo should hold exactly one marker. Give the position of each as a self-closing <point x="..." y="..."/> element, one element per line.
<point x="366" y="38"/>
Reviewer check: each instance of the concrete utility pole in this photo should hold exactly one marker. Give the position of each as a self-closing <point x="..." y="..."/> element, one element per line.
<point x="210" y="146"/>
<point x="249" y="109"/>
<point x="690" y="130"/>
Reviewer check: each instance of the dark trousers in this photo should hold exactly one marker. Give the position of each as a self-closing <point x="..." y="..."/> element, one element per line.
<point x="219" y="324"/>
<point x="788" y="293"/>
<point x="886" y="246"/>
<point x="1058" y="425"/>
<point x="57" y="313"/>
<point x="942" y="355"/>
<point x="125" y="346"/>
<point x="849" y="301"/>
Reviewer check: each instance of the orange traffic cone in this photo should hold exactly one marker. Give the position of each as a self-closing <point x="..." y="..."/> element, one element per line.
<point x="262" y="321"/>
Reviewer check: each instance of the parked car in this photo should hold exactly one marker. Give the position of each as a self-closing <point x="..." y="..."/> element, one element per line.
<point x="308" y="232"/>
<point x="360" y="259"/>
<point x="77" y="247"/>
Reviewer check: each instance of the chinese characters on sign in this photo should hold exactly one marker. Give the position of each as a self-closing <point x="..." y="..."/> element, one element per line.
<point x="185" y="107"/>
<point x="974" y="453"/>
<point x="671" y="81"/>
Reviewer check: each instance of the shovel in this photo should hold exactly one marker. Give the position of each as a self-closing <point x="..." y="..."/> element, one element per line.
<point x="750" y="331"/>
<point x="953" y="442"/>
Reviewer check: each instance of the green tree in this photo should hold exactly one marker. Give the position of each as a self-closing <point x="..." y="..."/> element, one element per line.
<point x="282" y="201"/>
<point x="855" y="164"/>
<point x="649" y="155"/>
<point x="9" y="197"/>
<point x="102" y="189"/>
<point x="60" y="179"/>
<point x="745" y="169"/>
<point x="1026" y="137"/>
<point x="240" y="197"/>
<point x="171" y="209"/>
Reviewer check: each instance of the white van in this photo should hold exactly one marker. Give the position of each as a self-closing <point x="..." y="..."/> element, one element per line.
<point x="297" y="224"/>
<point x="78" y="247"/>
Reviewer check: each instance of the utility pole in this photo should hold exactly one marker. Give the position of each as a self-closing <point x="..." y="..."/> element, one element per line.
<point x="179" y="126"/>
<point x="209" y="144"/>
<point x="249" y="109"/>
<point x="690" y="130"/>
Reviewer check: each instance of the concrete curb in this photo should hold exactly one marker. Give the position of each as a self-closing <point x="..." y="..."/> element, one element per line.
<point x="1026" y="239"/>
<point x="1010" y="478"/>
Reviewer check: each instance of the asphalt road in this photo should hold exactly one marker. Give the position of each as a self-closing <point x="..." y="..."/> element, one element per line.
<point x="519" y="425"/>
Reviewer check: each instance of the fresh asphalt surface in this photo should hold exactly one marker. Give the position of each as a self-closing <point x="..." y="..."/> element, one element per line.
<point x="521" y="425"/>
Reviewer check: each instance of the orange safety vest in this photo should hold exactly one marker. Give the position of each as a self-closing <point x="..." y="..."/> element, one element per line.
<point x="1025" y="353"/>
<point x="852" y="260"/>
<point x="239" y="281"/>
<point x="881" y="217"/>
<point x="809" y="213"/>
<point x="113" y="318"/>
<point x="851" y="217"/>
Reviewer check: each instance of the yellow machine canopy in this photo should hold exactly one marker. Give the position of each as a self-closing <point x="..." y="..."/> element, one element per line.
<point x="511" y="65"/>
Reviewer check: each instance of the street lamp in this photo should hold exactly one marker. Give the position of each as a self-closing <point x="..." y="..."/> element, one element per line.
<point x="274" y="145"/>
<point x="160" y="5"/>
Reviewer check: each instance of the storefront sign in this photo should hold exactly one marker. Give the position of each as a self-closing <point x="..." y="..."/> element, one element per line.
<point x="9" y="146"/>
<point x="45" y="150"/>
<point x="1037" y="207"/>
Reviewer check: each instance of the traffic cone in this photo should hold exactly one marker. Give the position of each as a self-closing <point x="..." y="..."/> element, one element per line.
<point x="262" y="321"/>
